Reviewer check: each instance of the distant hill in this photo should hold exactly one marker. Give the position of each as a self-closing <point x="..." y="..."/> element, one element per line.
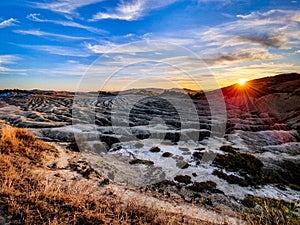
<point x="278" y="96"/>
<point x="259" y="87"/>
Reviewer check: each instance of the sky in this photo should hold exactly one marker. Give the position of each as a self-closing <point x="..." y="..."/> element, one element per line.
<point x="118" y="44"/>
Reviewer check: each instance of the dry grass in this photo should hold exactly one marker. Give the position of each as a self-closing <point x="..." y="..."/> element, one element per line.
<point x="29" y="198"/>
<point x="19" y="142"/>
<point x="272" y="212"/>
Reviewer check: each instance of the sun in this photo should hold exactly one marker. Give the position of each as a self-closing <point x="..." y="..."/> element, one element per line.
<point x="242" y="81"/>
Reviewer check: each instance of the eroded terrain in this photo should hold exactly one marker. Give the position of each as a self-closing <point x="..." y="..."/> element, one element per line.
<point x="169" y="142"/>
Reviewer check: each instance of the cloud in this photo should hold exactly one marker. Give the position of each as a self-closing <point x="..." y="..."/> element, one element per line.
<point x="132" y="10"/>
<point x="48" y="34"/>
<point x="35" y="17"/>
<point x="59" y="50"/>
<point x="266" y="30"/>
<point x="128" y="49"/>
<point x="275" y="14"/>
<point x="245" y="55"/>
<point x="267" y="40"/>
<point x="8" y="60"/>
<point x="65" y="6"/>
<point x="8" y="23"/>
<point x="274" y="29"/>
<point x="124" y="11"/>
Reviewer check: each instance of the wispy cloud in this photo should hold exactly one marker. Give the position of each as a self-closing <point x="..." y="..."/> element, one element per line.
<point x="274" y="28"/>
<point x="8" y="59"/>
<point x="240" y="56"/>
<point x="35" y="17"/>
<point x="48" y="34"/>
<point x="276" y="14"/>
<point x="8" y="23"/>
<point x="6" y="65"/>
<point x="65" y="6"/>
<point x="63" y="69"/>
<point x="59" y="50"/>
<point x="124" y="11"/>
<point x="129" y="49"/>
<point x="132" y="10"/>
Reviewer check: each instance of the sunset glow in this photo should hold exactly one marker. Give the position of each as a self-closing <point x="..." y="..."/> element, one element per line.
<point x="242" y="81"/>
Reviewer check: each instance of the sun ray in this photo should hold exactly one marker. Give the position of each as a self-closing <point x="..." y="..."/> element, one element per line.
<point x="242" y="81"/>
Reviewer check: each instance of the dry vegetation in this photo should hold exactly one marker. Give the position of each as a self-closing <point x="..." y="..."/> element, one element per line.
<point x="27" y="197"/>
<point x="272" y="212"/>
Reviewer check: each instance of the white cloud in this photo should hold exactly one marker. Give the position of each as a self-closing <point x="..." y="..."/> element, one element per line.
<point x="272" y="29"/>
<point x="65" y="6"/>
<point x="7" y="23"/>
<point x="129" y="49"/>
<point x="124" y="11"/>
<point x="132" y="10"/>
<point x="6" y="61"/>
<point x="35" y="17"/>
<point x="48" y="34"/>
<point x="275" y="14"/>
<point x="59" y="50"/>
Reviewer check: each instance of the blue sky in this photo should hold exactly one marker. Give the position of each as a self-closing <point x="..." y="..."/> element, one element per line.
<point x="57" y="44"/>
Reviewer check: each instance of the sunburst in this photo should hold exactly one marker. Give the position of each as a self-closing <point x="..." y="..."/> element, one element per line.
<point x="242" y="81"/>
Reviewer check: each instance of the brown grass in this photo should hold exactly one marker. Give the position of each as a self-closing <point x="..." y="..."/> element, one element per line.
<point x="19" y="142"/>
<point x="272" y="212"/>
<point x="28" y="197"/>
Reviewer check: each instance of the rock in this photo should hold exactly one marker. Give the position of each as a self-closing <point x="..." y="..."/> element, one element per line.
<point x="239" y="162"/>
<point x="229" y="149"/>
<point x="188" y="199"/>
<point x="198" y="155"/>
<point x="208" y="202"/>
<point x="231" y="179"/>
<point x="182" y="164"/>
<point x="73" y="147"/>
<point x="167" y="154"/>
<point x="154" y="149"/>
<point x="116" y="148"/>
<point x="207" y="186"/>
<point x="138" y="145"/>
<point x="185" y="179"/>
<point x="186" y="153"/>
<point x="103" y="182"/>
<point x="165" y="183"/>
<point x="194" y="174"/>
<point x="184" y="149"/>
<point x="109" y="139"/>
<point x="248" y="202"/>
<point x="83" y="168"/>
<point x="2" y="220"/>
<point x="141" y="161"/>
<point x="53" y="165"/>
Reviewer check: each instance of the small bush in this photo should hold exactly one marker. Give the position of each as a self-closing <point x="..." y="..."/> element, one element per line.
<point x="272" y="212"/>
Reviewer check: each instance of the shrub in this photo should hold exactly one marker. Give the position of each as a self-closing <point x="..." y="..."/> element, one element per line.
<point x="272" y="212"/>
